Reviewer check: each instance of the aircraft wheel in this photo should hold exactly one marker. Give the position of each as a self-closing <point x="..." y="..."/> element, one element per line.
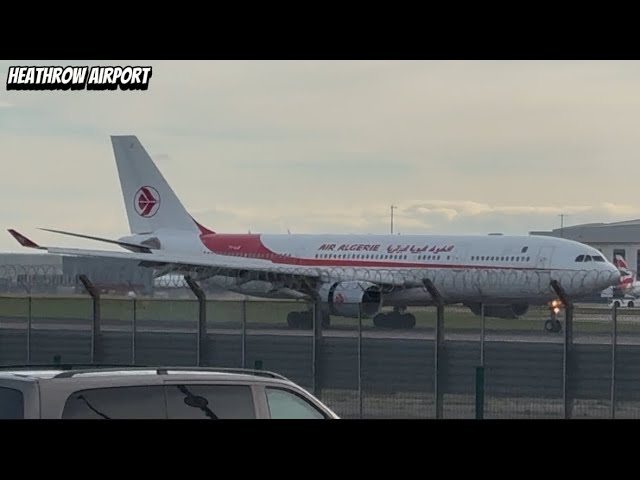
<point x="306" y="320"/>
<point x="381" y="320"/>
<point x="293" y="319"/>
<point x="394" y="320"/>
<point x="408" y="320"/>
<point x="553" y="326"/>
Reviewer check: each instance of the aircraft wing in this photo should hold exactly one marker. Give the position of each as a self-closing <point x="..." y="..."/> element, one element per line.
<point x="220" y="264"/>
<point x="242" y="268"/>
<point x="245" y="268"/>
<point x="131" y="246"/>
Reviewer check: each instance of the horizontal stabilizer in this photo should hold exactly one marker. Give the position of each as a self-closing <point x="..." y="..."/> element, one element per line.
<point x="129" y="246"/>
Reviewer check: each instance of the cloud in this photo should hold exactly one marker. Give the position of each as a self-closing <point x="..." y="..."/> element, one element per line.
<point x="433" y="217"/>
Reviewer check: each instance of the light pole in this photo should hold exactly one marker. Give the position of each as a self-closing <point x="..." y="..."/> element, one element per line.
<point x="392" y="208"/>
<point x="562" y="215"/>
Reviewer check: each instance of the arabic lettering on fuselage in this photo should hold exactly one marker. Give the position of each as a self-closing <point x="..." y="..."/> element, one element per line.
<point x="400" y="248"/>
<point x="416" y="249"/>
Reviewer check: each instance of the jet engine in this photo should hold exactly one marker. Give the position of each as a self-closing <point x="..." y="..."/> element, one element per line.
<point x="500" y="311"/>
<point x="347" y="299"/>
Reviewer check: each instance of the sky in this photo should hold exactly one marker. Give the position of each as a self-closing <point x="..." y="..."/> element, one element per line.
<point x="464" y="147"/>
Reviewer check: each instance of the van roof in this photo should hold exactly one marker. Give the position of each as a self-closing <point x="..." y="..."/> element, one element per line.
<point x="69" y="371"/>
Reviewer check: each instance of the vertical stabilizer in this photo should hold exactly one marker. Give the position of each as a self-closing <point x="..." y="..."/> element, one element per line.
<point x="150" y="202"/>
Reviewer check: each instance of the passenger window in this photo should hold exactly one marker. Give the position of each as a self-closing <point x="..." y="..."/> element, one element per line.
<point x="117" y="403"/>
<point x="288" y="405"/>
<point x="11" y="404"/>
<point x="210" y="401"/>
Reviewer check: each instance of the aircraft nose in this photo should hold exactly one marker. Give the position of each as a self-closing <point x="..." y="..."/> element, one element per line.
<point x="614" y="274"/>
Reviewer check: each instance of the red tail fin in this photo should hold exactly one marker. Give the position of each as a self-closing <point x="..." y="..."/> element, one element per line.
<point x="620" y="262"/>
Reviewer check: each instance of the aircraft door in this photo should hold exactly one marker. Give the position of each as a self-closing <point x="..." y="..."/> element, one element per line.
<point x="460" y="253"/>
<point x="544" y="257"/>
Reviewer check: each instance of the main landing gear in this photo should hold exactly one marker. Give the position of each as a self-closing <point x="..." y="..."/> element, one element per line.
<point x="396" y="319"/>
<point x="304" y="320"/>
<point x="553" y="325"/>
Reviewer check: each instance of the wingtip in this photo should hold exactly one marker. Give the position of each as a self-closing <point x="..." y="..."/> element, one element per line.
<point x="22" y="240"/>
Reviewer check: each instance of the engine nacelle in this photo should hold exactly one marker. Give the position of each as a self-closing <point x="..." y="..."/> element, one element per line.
<point x="500" y="311"/>
<point x="348" y="299"/>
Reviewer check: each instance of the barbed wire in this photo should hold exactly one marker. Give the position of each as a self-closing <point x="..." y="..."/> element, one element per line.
<point x="479" y="281"/>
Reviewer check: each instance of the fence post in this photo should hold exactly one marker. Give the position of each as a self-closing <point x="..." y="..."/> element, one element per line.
<point x="27" y="288"/>
<point x="95" y="323"/>
<point x="317" y="348"/>
<point x="614" y="345"/>
<point x="29" y="320"/>
<point x="482" y="335"/>
<point x="244" y="333"/>
<point x="201" y="346"/>
<point x="439" y="337"/>
<point x="480" y="393"/>
<point x="134" y="331"/>
<point x="567" y="363"/>
<point x="360" y="361"/>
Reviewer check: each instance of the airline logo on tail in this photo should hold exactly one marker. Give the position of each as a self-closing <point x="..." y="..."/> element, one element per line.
<point x="627" y="276"/>
<point x="147" y="201"/>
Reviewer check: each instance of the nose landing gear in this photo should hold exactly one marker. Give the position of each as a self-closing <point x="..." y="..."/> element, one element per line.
<point x="553" y="325"/>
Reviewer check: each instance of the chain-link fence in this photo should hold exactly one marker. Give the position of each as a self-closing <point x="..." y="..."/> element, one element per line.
<point x="451" y="362"/>
<point x="125" y="276"/>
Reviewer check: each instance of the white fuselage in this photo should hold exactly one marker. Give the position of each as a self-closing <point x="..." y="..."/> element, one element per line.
<point x="464" y="268"/>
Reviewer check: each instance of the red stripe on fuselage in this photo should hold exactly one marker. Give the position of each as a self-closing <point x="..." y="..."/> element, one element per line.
<point x="238" y="244"/>
<point x="251" y="246"/>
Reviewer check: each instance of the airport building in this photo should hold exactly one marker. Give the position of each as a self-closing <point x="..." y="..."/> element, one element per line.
<point x="41" y="273"/>
<point x="619" y="238"/>
<point x="55" y="273"/>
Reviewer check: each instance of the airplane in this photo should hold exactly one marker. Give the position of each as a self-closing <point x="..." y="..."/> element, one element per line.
<point x="346" y="275"/>
<point x="628" y="286"/>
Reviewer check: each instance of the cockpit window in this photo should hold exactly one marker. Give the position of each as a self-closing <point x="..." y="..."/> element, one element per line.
<point x="580" y="258"/>
<point x="587" y="258"/>
<point x="598" y="258"/>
